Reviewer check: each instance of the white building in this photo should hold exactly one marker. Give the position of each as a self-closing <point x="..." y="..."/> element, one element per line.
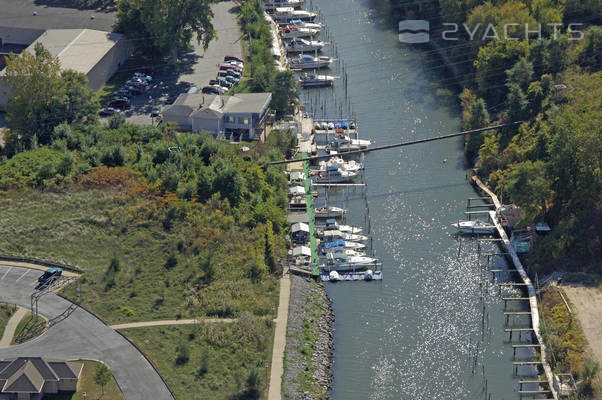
<point x="243" y="114"/>
<point x="97" y="54"/>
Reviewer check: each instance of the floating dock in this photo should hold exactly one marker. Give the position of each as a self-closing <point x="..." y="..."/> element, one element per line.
<point x="353" y="276"/>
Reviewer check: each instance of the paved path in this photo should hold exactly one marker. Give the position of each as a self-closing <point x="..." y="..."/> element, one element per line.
<point x="75" y="333"/>
<point x="275" y="390"/>
<point x="11" y="327"/>
<point x="147" y="324"/>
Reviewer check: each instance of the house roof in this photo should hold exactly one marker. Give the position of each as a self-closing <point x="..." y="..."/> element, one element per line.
<point x="29" y="374"/>
<point x="302" y="251"/>
<point x="300" y="226"/>
<point x="199" y="105"/>
<point x="297" y="217"/>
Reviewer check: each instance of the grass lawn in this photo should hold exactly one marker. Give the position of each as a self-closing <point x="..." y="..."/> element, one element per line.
<point x="92" y="390"/>
<point x="29" y="328"/>
<point x="88" y="228"/>
<point x="6" y="311"/>
<point x="219" y="360"/>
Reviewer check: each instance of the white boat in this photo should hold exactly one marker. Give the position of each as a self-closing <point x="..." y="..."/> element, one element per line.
<point x="369" y="275"/>
<point x="332" y="224"/>
<point x="311" y="80"/>
<point x="305" y="61"/>
<point x="335" y="234"/>
<point x="286" y="14"/>
<point x="329" y="212"/>
<point x="334" y="276"/>
<point x="345" y="143"/>
<point x="306" y="24"/>
<point x="274" y="4"/>
<point x="335" y="175"/>
<point x="475" y="226"/>
<point x="299" y="45"/>
<point x="349" y="252"/>
<point x="341" y="262"/>
<point x="293" y="31"/>
<point x="340" y="244"/>
<point x="351" y="165"/>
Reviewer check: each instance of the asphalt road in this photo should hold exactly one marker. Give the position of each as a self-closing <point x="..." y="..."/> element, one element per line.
<point x="74" y="333"/>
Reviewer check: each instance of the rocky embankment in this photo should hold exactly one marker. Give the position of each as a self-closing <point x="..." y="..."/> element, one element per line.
<point x="309" y="342"/>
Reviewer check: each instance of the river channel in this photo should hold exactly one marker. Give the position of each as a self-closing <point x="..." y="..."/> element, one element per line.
<point x="415" y="334"/>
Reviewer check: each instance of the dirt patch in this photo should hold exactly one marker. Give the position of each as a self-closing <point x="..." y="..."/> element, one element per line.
<point x="586" y="304"/>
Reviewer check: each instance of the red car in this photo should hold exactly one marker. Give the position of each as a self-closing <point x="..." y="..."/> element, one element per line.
<point x="148" y="69"/>
<point x="235" y="58"/>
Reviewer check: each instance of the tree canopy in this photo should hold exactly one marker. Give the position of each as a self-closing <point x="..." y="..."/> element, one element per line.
<point x="162" y="27"/>
<point x="43" y="96"/>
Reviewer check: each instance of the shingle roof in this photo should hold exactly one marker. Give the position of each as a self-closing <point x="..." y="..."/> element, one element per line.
<point x="208" y="105"/>
<point x="29" y="374"/>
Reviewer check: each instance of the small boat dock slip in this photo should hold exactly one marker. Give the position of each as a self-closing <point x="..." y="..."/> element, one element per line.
<point x="352" y="276"/>
<point x="533" y="329"/>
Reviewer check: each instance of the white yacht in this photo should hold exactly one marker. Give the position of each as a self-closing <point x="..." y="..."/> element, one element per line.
<point x="332" y="224"/>
<point x="312" y="80"/>
<point x="340" y="244"/>
<point x="329" y="212"/>
<point x="286" y="14"/>
<point x="306" y="24"/>
<point x="305" y="61"/>
<point x="274" y="4"/>
<point x="334" y="175"/>
<point x="475" y="227"/>
<point x="351" y="165"/>
<point x="299" y="45"/>
<point x="341" y="262"/>
<point x="335" y="234"/>
<point x="293" y="31"/>
<point x="345" y="143"/>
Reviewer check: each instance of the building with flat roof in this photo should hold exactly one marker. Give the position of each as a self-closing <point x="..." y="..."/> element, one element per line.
<point x="242" y="114"/>
<point x="30" y="378"/>
<point x="97" y="54"/>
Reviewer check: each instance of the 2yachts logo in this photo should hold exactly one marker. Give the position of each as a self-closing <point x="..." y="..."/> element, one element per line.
<point x="414" y="31"/>
<point x="418" y="31"/>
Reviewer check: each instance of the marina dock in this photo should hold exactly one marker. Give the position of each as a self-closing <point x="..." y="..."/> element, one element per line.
<point x="526" y="282"/>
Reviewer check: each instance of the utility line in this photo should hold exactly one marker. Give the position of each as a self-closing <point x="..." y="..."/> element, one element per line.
<point x="390" y="146"/>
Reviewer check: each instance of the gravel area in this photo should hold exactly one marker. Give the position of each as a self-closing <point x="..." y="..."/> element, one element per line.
<point x="302" y="291"/>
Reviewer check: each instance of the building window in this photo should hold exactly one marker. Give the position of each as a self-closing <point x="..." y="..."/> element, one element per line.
<point x="230" y="119"/>
<point x="245" y="121"/>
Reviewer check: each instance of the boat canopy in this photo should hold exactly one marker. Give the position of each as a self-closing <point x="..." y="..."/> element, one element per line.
<point x="332" y="168"/>
<point x="307" y="57"/>
<point x="285" y="10"/>
<point x="341" y="257"/>
<point x="336" y="243"/>
<point x="331" y="221"/>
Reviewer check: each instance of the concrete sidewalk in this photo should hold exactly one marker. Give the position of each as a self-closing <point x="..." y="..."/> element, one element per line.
<point x="146" y="324"/>
<point x="11" y="327"/>
<point x="275" y="390"/>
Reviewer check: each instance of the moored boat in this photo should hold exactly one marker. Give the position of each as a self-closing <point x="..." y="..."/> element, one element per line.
<point x="345" y="143"/>
<point x="351" y="165"/>
<point x="475" y="227"/>
<point x="334" y="175"/>
<point x="312" y="80"/>
<point x="293" y="31"/>
<point x="329" y="212"/>
<point x="299" y="45"/>
<point x="286" y="14"/>
<point x="305" y="61"/>
<point x="274" y="4"/>
<point x="340" y="244"/>
<point x="334" y="234"/>
<point x="341" y="262"/>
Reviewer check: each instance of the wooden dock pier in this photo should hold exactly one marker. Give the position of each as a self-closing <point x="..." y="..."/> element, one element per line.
<point x="526" y="282"/>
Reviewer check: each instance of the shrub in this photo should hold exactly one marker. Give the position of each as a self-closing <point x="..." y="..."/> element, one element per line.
<point x="183" y="354"/>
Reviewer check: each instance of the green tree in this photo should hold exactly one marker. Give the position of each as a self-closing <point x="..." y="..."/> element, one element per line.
<point x="284" y="92"/>
<point x="478" y="117"/>
<point x="528" y="185"/>
<point x="102" y="376"/>
<point x="43" y="96"/>
<point x="183" y="355"/>
<point x="589" y="51"/>
<point x="517" y="103"/>
<point x="520" y="74"/>
<point x="164" y="27"/>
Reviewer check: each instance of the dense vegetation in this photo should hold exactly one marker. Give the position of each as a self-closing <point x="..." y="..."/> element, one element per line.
<point x="551" y="164"/>
<point x="563" y="336"/>
<point x="217" y="360"/>
<point x="162" y="27"/>
<point x="264" y="76"/>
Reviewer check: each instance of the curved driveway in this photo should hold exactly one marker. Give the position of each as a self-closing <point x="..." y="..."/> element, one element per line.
<point x="75" y="333"/>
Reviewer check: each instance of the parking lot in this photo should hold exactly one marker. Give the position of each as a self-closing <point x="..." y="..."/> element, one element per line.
<point x="195" y="67"/>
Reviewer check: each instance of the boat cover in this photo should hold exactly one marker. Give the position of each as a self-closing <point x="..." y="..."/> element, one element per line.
<point x="331" y="221"/>
<point x="307" y="57"/>
<point x="336" y="243"/>
<point x="332" y="168"/>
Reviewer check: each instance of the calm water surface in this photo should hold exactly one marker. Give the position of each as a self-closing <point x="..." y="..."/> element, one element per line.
<point x="414" y="335"/>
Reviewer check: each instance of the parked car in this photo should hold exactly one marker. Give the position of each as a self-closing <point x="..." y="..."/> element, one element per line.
<point x="232" y="79"/>
<point x="119" y="103"/>
<point x="123" y="92"/>
<point x="142" y="76"/>
<point x="135" y="90"/>
<point x="170" y="99"/>
<point x="234" y="58"/>
<point x="108" y="111"/>
<point x="211" y="90"/>
<point x="237" y="63"/>
<point x="136" y="82"/>
<point x="233" y="66"/>
<point x="50" y="275"/>
<point x="121" y="98"/>
<point x="156" y="111"/>
<point x="220" y="82"/>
